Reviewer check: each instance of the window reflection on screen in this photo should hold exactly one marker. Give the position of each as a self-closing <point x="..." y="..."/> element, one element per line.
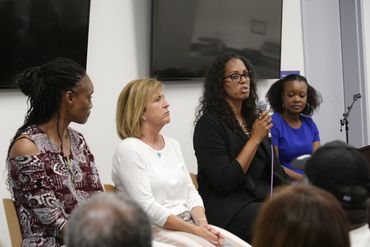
<point x="188" y="35"/>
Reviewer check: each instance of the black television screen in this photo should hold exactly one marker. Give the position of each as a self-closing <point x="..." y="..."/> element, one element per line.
<point x="36" y="31"/>
<point x="187" y="35"/>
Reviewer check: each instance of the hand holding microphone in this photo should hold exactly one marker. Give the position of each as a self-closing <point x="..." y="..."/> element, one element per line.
<point x="262" y="125"/>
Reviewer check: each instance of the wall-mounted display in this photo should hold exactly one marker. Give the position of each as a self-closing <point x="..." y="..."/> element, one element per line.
<point x="187" y="35"/>
<point x="36" y="31"/>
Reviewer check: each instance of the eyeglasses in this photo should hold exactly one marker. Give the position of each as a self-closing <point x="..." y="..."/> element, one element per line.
<point x="237" y="77"/>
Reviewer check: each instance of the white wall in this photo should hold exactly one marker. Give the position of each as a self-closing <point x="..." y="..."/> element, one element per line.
<point x="366" y="35"/>
<point x="118" y="53"/>
<point x="323" y="63"/>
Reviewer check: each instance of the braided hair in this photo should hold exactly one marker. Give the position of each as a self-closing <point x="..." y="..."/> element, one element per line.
<point x="44" y="86"/>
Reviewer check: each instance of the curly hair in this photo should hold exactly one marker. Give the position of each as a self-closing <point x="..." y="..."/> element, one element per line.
<point x="213" y="99"/>
<point x="276" y="91"/>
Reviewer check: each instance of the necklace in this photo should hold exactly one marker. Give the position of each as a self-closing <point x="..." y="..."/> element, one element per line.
<point x="69" y="162"/>
<point x="69" y="165"/>
<point x="156" y="147"/>
<point x="244" y="126"/>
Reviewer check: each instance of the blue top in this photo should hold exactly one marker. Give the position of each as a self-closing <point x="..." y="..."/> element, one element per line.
<point x="293" y="142"/>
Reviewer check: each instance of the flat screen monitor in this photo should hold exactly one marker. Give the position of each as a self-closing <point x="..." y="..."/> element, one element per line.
<point x="35" y="31"/>
<point x="186" y="36"/>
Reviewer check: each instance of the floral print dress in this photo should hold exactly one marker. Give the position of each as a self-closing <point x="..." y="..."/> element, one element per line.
<point x="46" y="186"/>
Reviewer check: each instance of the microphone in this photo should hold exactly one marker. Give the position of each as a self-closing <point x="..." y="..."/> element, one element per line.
<point x="261" y="106"/>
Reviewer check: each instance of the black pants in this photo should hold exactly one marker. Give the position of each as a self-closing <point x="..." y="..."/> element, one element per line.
<point x="242" y="223"/>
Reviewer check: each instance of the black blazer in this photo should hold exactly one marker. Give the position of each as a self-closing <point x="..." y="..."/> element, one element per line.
<point x="224" y="187"/>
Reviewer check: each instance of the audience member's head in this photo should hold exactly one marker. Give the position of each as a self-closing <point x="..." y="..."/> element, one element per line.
<point x="108" y="220"/>
<point x="301" y="215"/>
<point x="340" y="169"/>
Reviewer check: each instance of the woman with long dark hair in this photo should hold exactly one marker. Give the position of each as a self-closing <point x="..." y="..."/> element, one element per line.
<point x="50" y="167"/>
<point x="231" y="145"/>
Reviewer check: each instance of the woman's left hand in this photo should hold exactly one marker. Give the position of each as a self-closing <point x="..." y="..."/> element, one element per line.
<point x="215" y="232"/>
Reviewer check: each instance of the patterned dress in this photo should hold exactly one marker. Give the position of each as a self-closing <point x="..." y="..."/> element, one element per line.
<point x="46" y="187"/>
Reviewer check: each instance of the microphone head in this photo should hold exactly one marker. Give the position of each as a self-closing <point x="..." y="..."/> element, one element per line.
<point x="356" y="96"/>
<point x="261" y="105"/>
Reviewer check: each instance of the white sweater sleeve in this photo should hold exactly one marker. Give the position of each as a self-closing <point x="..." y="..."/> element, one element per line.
<point x="193" y="197"/>
<point x="129" y="170"/>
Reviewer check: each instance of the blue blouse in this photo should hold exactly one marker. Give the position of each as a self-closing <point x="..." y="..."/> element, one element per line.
<point x="293" y="142"/>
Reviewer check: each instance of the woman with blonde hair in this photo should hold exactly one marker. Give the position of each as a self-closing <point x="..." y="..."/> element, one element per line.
<point x="150" y="168"/>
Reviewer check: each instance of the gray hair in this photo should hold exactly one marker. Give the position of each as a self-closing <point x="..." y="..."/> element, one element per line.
<point x="108" y="220"/>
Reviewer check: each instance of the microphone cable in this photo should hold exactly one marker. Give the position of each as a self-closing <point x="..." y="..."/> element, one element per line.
<point x="272" y="169"/>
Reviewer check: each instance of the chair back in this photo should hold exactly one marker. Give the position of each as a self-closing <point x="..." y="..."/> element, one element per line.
<point x="13" y="222"/>
<point x="110" y="188"/>
<point x="194" y="179"/>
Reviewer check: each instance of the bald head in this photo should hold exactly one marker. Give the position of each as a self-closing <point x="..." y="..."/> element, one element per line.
<point x="108" y="219"/>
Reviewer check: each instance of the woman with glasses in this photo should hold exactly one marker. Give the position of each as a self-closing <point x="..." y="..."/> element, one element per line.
<point x="294" y="133"/>
<point x="232" y="149"/>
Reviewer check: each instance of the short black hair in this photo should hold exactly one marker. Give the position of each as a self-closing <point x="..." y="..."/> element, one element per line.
<point x="275" y="93"/>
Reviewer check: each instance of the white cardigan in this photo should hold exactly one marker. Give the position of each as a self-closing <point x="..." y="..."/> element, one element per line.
<point x="157" y="179"/>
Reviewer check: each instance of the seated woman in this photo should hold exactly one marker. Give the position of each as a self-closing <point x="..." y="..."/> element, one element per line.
<point x="301" y="216"/>
<point x="50" y="167"/>
<point x="294" y="133"/>
<point x="150" y="168"/>
<point x="231" y="145"/>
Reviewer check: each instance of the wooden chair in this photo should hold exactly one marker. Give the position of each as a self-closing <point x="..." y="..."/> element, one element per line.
<point x="194" y="179"/>
<point x="13" y="222"/>
<point x="110" y="188"/>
